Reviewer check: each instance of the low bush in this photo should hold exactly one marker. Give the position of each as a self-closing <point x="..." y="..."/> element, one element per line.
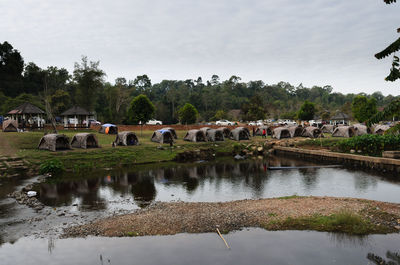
<point x="54" y="167"/>
<point x="370" y="144"/>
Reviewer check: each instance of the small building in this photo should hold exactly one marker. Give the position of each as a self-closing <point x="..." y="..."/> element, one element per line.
<point x="340" y="118"/>
<point x="76" y="117"/>
<point x="27" y="116"/>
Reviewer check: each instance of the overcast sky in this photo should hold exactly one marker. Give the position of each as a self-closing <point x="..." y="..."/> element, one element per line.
<point x="314" y="42"/>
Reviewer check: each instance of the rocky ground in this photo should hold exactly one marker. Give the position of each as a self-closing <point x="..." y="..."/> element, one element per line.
<point x="182" y="217"/>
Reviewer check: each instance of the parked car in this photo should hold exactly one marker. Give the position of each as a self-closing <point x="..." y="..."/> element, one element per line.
<point x="154" y="122"/>
<point x="92" y="121"/>
<point x="224" y="123"/>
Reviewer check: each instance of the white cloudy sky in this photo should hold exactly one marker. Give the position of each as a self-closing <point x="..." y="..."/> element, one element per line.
<point x="314" y="42"/>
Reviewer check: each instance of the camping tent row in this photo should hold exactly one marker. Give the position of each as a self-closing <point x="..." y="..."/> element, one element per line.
<point x="58" y="142"/>
<point x="294" y="131"/>
<point x="205" y="134"/>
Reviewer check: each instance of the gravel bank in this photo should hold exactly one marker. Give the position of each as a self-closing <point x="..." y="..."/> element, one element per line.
<point x="182" y="217"/>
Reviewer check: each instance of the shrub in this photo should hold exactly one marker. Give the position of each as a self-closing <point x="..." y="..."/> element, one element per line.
<point x="370" y="144"/>
<point x="53" y="166"/>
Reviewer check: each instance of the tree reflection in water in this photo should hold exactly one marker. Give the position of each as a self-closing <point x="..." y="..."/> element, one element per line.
<point x="144" y="191"/>
<point x="393" y="258"/>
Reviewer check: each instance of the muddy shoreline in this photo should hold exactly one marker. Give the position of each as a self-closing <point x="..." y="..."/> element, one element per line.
<point x="169" y="218"/>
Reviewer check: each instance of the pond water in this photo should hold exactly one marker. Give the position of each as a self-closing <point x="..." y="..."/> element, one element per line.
<point x="222" y="180"/>
<point x="76" y="199"/>
<point x="251" y="246"/>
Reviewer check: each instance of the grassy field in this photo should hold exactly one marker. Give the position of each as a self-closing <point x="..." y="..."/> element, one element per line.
<point x="24" y="145"/>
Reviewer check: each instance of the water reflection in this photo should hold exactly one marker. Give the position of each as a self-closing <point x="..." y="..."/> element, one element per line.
<point x="214" y="181"/>
<point x="250" y="246"/>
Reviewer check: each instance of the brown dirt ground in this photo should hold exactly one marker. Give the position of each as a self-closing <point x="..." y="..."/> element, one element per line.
<point x="182" y="217"/>
<point x="6" y="148"/>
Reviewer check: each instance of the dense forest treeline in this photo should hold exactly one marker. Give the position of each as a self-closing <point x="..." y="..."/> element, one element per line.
<point x="213" y="98"/>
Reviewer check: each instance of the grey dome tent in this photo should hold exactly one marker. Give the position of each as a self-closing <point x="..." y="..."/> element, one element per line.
<point x="162" y="136"/>
<point x="54" y="142"/>
<point x="295" y="131"/>
<point x="260" y="129"/>
<point x="328" y="128"/>
<point x="381" y="129"/>
<point x="205" y="129"/>
<point x="108" y="128"/>
<point x="311" y="131"/>
<point x="10" y="126"/>
<point x="246" y="129"/>
<point x="195" y="136"/>
<point x="126" y="138"/>
<point x="281" y="132"/>
<point x="239" y="133"/>
<point x="361" y="129"/>
<point x="225" y="131"/>
<point x="213" y="135"/>
<point x="84" y="140"/>
<point x="172" y="130"/>
<point x="344" y="131"/>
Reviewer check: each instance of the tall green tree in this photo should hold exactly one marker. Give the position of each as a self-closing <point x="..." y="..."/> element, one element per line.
<point x="141" y="109"/>
<point x="188" y="114"/>
<point x="363" y="108"/>
<point x="89" y="80"/>
<point x="391" y="49"/>
<point x="11" y="67"/>
<point x="306" y="111"/>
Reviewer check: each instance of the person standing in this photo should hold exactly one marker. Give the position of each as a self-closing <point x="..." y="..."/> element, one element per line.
<point x="264" y="133"/>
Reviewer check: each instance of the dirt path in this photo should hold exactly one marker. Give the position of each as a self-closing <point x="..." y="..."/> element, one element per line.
<point x="5" y="147"/>
<point x="181" y="217"/>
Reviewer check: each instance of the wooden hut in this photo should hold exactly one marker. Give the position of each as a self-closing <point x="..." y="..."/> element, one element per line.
<point x="79" y="116"/>
<point x="27" y="116"/>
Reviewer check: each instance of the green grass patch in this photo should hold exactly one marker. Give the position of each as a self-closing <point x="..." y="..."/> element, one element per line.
<point x="343" y="222"/>
<point x="290" y="197"/>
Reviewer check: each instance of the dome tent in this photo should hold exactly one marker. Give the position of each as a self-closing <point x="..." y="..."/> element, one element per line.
<point x="10" y="126"/>
<point x="195" y="136"/>
<point x="162" y="137"/>
<point x="54" y="142"/>
<point x="108" y="128"/>
<point x="84" y="140"/>
<point x="172" y="130"/>
<point x="126" y="138"/>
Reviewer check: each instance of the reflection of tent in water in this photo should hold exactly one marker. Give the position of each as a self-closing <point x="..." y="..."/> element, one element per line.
<point x="126" y="138"/>
<point x="172" y="130"/>
<point x="144" y="191"/>
<point x="281" y="132"/>
<point x="259" y="130"/>
<point x="327" y="128"/>
<point x="214" y="135"/>
<point x="54" y="142"/>
<point x="295" y="131"/>
<point x="239" y="133"/>
<point x="225" y="131"/>
<point x="312" y="132"/>
<point x="84" y="140"/>
<point x="381" y="129"/>
<point x="344" y="131"/>
<point x="108" y="128"/>
<point x="361" y="129"/>
<point x="162" y="137"/>
<point x="10" y="126"/>
<point x="195" y="136"/>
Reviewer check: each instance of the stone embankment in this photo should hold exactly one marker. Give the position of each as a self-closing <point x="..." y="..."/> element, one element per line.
<point x="381" y="164"/>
